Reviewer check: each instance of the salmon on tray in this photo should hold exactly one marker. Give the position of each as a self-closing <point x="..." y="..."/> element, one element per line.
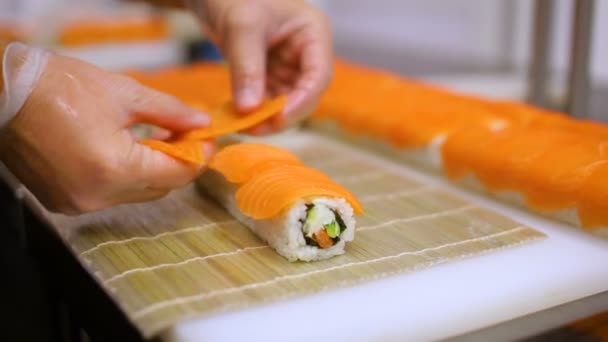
<point x="535" y="158"/>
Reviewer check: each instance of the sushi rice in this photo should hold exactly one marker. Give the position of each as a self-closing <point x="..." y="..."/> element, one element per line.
<point x="286" y="232"/>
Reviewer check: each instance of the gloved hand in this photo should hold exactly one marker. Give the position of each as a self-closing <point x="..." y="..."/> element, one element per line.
<point x="283" y="47"/>
<point x="69" y="143"/>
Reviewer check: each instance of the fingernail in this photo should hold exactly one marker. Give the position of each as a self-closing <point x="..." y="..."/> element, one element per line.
<point x="208" y="149"/>
<point x="248" y="97"/>
<point x="200" y="118"/>
<point x="161" y="134"/>
<point x="294" y="101"/>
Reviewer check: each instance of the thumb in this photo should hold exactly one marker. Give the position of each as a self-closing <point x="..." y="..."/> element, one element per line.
<point x="245" y="47"/>
<point x="158" y="171"/>
<point x="154" y="107"/>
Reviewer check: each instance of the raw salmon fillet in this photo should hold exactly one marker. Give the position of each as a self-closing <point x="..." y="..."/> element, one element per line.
<point x="239" y="162"/>
<point x="266" y="194"/>
<point x="225" y="120"/>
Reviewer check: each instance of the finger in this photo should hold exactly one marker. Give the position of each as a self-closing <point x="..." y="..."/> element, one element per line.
<point x="313" y="46"/>
<point x="280" y="122"/>
<point x="161" y="134"/>
<point x="277" y="55"/>
<point x="245" y="47"/>
<point x="141" y="196"/>
<point x="264" y="128"/>
<point x="288" y="55"/>
<point x="158" y="171"/>
<point x="277" y="87"/>
<point x="316" y="70"/>
<point x="153" y="107"/>
<point x="283" y="73"/>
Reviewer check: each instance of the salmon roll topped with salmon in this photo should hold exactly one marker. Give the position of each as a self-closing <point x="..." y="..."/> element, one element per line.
<point x="297" y="210"/>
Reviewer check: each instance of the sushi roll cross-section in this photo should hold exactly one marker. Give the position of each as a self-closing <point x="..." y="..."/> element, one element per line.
<point x="297" y="210"/>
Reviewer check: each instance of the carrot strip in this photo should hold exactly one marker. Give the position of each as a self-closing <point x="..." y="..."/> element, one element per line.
<point x="322" y="238"/>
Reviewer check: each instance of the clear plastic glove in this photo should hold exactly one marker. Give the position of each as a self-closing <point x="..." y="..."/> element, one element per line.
<point x="70" y="145"/>
<point x="275" y="46"/>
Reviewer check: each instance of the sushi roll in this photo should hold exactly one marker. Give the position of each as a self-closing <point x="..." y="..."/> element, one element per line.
<point x="297" y="210"/>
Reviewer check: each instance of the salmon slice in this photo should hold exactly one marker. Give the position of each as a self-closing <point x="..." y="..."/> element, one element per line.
<point x="371" y="98"/>
<point x="224" y="121"/>
<point x="514" y="112"/>
<point x="512" y="152"/>
<point x="239" y="162"/>
<point x="228" y="120"/>
<point x="204" y="86"/>
<point x="554" y="180"/>
<point x="422" y="128"/>
<point x="548" y="166"/>
<point x="555" y="120"/>
<point x="267" y="194"/>
<point x="391" y="113"/>
<point x="549" y="157"/>
<point x="187" y="150"/>
<point x="593" y="198"/>
<point x="462" y="150"/>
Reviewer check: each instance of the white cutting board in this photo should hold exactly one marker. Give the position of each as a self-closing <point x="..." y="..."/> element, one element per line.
<point x="434" y="303"/>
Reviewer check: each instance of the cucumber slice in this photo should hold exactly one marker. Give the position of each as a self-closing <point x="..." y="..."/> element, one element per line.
<point x="332" y="229"/>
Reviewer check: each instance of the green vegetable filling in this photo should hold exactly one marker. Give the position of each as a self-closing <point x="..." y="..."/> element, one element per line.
<point x="319" y="217"/>
<point x="332" y="229"/>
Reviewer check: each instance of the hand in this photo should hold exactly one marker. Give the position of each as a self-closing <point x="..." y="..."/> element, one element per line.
<point x="272" y="46"/>
<point x="71" y="147"/>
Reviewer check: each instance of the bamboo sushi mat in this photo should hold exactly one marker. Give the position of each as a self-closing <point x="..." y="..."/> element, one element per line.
<point x="184" y="256"/>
